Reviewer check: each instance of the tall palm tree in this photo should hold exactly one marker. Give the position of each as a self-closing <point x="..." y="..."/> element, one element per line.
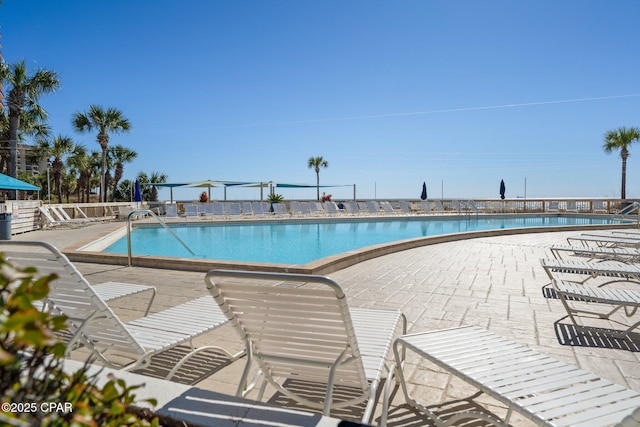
<point x="104" y="121"/>
<point x="317" y="163"/>
<point x="621" y="139"/>
<point x="25" y="91"/>
<point x="119" y="155"/>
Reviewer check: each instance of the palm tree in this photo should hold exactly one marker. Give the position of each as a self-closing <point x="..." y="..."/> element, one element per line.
<point x="60" y="147"/>
<point x="621" y="139"/>
<point x="24" y="92"/>
<point x="82" y="163"/>
<point x="120" y="155"/>
<point x="104" y="121"/>
<point x="149" y="192"/>
<point x="317" y="163"/>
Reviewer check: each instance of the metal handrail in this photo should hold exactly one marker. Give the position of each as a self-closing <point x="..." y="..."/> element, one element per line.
<point x="628" y="210"/>
<point x="162" y="223"/>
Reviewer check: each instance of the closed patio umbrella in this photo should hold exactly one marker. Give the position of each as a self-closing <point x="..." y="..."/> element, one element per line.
<point x="137" y="194"/>
<point x="423" y="196"/>
<point x="502" y="189"/>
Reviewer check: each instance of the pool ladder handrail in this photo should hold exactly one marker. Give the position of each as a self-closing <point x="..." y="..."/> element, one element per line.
<point x="162" y="223"/>
<point x="468" y="207"/>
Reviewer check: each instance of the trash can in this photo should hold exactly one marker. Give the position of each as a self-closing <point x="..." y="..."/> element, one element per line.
<point x="5" y="226"/>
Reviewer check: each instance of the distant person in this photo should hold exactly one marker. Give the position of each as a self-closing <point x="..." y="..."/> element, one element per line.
<point x="340" y="205"/>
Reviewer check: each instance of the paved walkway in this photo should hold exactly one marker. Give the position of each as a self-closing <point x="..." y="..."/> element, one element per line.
<point x="496" y="283"/>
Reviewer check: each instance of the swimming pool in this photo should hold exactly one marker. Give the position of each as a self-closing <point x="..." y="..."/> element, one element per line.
<point x="297" y="243"/>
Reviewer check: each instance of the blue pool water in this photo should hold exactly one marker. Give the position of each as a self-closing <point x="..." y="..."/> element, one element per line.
<point x="303" y="242"/>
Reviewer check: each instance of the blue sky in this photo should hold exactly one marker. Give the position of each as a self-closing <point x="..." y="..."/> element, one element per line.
<point x="460" y="94"/>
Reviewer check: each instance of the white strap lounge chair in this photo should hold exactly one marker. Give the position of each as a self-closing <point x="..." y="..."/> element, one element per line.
<point x="373" y="207"/>
<point x="300" y="327"/>
<point x="331" y="208"/>
<point x="439" y="207"/>
<point x="544" y="390"/>
<point x="171" y="210"/>
<point x="279" y="209"/>
<point x="352" y="207"/>
<point x="615" y="271"/>
<point x="386" y="207"/>
<point x="95" y="326"/>
<point x="581" y="299"/>
<point x="46" y="260"/>
<point x="305" y="208"/>
<point x="234" y="209"/>
<point x="317" y="208"/>
<point x="405" y="207"/>
<point x="191" y="210"/>
<point x="247" y="209"/>
<point x="217" y="210"/>
<point x="598" y="253"/>
<point x="610" y="240"/>
<point x="259" y="208"/>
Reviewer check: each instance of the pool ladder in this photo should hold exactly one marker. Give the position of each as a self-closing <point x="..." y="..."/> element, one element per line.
<point x="161" y="222"/>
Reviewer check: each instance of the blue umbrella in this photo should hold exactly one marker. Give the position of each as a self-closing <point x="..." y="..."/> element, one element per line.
<point x="423" y="196"/>
<point x="502" y="189"/>
<point x="137" y="195"/>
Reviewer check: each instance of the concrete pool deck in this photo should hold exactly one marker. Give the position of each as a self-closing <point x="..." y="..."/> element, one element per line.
<point x="493" y="282"/>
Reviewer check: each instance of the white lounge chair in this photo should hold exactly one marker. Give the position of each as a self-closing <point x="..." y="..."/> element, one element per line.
<point x="546" y="391"/>
<point x="352" y="207"/>
<point x="171" y="210"/>
<point x="387" y="208"/>
<point x="373" y="207"/>
<point x="580" y="299"/>
<point x="331" y="208"/>
<point x="234" y="209"/>
<point x="247" y="209"/>
<point x="610" y="240"/>
<point x="48" y="260"/>
<point x="259" y="208"/>
<point x="405" y="207"/>
<point x="279" y="209"/>
<point x="191" y="210"/>
<point x="611" y="271"/>
<point x="217" y="210"/>
<point x="304" y="330"/>
<point x="598" y="253"/>
<point x="305" y="208"/>
<point x="317" y="208"/>
<point x="96" y="327"/>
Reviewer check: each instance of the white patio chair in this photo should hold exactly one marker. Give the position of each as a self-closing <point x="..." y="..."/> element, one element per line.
<point x="546" y="391"/>
<point x="96" y="327"/>
<point x="300" y="327"/>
